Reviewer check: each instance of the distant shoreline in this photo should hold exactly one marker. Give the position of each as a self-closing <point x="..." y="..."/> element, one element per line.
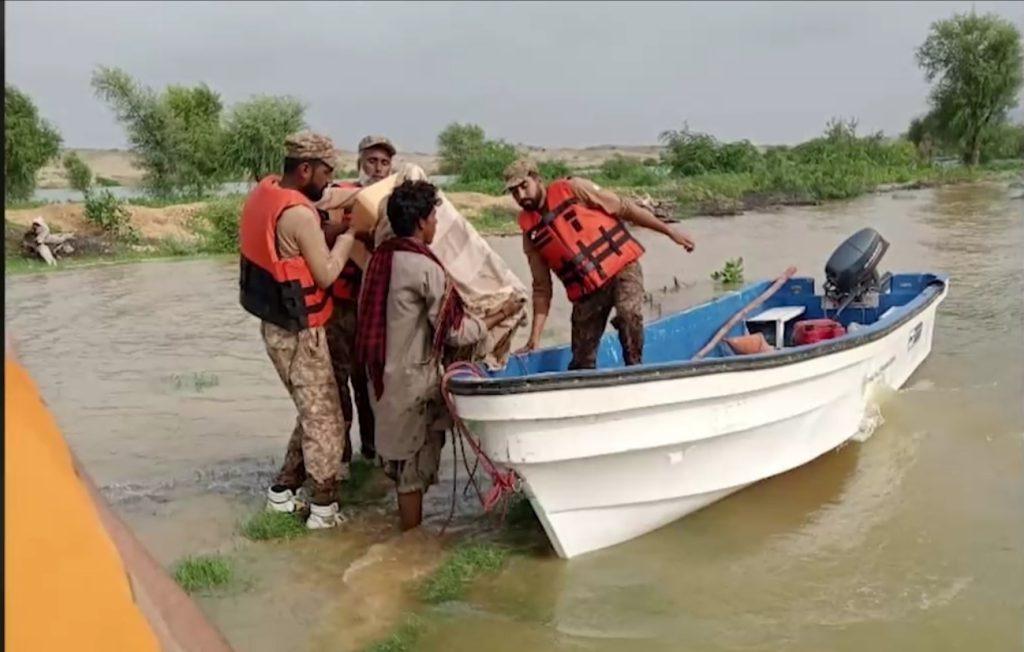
<point x="116" y="165"/>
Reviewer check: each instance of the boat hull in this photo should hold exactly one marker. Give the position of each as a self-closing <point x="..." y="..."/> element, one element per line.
<point x="605" y="464"/>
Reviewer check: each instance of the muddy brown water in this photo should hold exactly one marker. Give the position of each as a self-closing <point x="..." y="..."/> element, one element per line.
<point x="912" y="539"/>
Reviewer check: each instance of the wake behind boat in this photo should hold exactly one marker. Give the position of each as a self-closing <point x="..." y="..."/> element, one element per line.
<point x="609" y="454"/>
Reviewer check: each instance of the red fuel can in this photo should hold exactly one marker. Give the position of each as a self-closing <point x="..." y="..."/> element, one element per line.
<point x="810" y="331"/>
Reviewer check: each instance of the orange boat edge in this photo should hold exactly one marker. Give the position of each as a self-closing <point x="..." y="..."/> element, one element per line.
<point x="76" y="578"/>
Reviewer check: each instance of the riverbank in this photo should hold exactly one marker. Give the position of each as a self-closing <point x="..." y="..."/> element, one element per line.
<point x="207" y="228"/>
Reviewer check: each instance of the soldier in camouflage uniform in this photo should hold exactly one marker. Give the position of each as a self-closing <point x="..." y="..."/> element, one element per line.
<point x="574" y="228"/>
<point x="374" y="164"/>
<point x="297" y="261"/>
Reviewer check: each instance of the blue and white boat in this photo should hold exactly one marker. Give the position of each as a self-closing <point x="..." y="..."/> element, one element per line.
<point x="607" y="455"/>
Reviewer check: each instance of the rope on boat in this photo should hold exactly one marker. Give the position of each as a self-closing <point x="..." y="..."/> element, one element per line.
<point x="503" y="483"/>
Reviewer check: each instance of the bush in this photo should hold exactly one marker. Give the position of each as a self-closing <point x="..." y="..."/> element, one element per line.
<point x="731" y="273"/>
<point x="1004" y="141"/>
<point x="626" y="172"/>
<point x="78" y="173"/>
<point x="456" y="143"/>
<point x="105" y="182"/>
<point x="710" y="187"/>
<point x="488" y="163"/>
<point x="556" y="169"/>
<point x="29" y="143"/>
<point x="255" y="133"/>
<point x="217" y="224"/>
<point x="689" y="153"/>
<point x="110" y="214"/>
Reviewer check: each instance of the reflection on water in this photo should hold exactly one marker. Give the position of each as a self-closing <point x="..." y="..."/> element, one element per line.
<point x="908" y="540"/>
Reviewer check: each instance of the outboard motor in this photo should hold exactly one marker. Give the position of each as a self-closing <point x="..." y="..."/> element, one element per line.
<point x="851" y="273"/>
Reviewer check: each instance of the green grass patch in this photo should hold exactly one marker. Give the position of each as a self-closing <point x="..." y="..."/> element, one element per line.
<point x="105" y="182"/>
<point x="203" y="572"/>
<point x="164" y="202"/>
<point x="26" y="204"/>
<point x="403" y="639"/>
<point x="465" y="563"/>
<point x="496" y="220"/>
<point x="495" y="187"/>
<point x="172" y="247"/>
<point x="266" y="526"/>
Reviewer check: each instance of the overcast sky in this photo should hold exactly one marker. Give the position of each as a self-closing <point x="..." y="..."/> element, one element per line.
<point x="551" y="74"/>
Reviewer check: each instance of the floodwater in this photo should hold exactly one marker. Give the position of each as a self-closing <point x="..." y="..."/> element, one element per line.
<point x="912" y="539"/>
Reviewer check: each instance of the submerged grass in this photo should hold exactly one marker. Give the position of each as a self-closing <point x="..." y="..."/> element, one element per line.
<point x="362" y="486"/>
<point x="465" y="563"/>
<point x="403" y="639"/>
<point x="203" y="572"/>
<point x="267" y="526"/>
<point x="197" y="380"/>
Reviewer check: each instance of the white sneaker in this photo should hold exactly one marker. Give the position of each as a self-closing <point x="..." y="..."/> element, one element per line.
<point x="322" y="517"/>
<point x="280" y="501"/>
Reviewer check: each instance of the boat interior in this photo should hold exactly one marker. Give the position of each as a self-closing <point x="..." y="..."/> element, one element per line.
<point x="676" y="338"/>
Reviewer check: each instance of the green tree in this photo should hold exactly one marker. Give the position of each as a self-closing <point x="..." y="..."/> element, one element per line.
<point x="458" y="142"/>
<point x="78" y="173"/>
<point x="29" y="142"/>
<point x="689" y="153"/>
<point x="256" y="130"/>
<point x="1005" y="141"/>
<point x="975" y="63"/>
<point x="176" y="136"/>
<point x="488" y="162"/>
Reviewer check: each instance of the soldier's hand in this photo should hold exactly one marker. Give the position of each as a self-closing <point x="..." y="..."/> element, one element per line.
<point x="337" y="198"/>
<point x="530" y="346"/>
<point x="683" y="240"/>
<point x="512" y="306"/>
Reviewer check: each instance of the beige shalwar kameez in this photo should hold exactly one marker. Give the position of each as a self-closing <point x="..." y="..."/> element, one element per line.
<point x="411" y="417"/>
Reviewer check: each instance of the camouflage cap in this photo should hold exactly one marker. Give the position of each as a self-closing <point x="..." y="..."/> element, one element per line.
<point x="377" y="141"/>
<point x="309" y="146"/>
<point x="518" y="170"/>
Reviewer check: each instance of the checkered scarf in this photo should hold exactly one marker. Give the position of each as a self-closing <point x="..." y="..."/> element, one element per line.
<point x="371" y="332"/>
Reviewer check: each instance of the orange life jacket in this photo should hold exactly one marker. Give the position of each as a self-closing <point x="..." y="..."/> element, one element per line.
<point x="280" y="291"/>
<point x="585" y="247"/>
<point x="346" y="288"/>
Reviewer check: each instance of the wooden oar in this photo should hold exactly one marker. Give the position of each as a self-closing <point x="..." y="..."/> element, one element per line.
<point x="764" y="296"/>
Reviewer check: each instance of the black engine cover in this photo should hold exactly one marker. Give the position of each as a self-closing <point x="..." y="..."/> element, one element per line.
<point x="854" y="263"/>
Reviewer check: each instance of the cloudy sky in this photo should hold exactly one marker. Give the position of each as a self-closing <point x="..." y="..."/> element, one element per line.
<point x="552" y="74"/>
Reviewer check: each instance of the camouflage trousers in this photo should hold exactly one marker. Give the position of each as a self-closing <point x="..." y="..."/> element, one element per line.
<point x="303" y="363"/>
<point x="341" y="340"/>
<point x="590" y="315"/>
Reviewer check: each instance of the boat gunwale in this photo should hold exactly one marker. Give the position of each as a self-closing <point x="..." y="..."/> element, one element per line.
<point x="470" y="385"/>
